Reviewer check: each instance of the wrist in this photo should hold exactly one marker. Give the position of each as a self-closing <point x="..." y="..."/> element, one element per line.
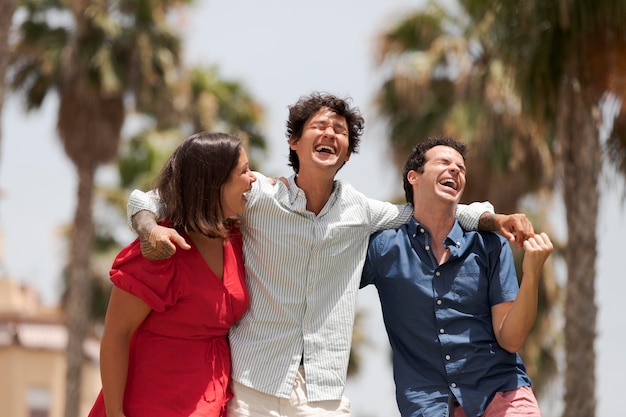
<point x="488" y="222"/>
<point x="143" y="222"/>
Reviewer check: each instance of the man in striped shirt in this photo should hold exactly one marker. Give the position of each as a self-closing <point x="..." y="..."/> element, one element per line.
<point x="304" y="245"/>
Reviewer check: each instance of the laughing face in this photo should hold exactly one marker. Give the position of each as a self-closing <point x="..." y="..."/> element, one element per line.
<point x="324" y="143"/>
<point x="443" y="176"/>
<point x="239" y="184"/>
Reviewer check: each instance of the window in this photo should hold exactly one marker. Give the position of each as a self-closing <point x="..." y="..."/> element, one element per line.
<point x="38" y="401"/>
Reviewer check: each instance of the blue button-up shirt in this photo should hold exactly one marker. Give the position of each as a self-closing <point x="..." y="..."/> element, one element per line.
<point x="438" y="317"/>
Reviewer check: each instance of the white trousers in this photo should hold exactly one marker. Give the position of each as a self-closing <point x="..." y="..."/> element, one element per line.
<point x="248" y="402"/>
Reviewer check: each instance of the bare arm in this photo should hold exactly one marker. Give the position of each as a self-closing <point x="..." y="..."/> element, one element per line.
<point x="513" y="320"/>
<point x="156" y="242"/>
<point x="124" y="314"/>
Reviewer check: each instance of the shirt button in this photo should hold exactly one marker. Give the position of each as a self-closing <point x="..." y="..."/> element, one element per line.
<point x="441" y="330"/>
<point x="439" y="302"/>
<point x="438" y="273"/>
<point x="453" y="385"/>
<point x="447" y="357"/>
<point x="427" y="247"/>
<point x="421" y="230"/>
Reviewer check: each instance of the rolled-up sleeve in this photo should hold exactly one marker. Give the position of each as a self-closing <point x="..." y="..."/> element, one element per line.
<point x="469" y="215"/>
<point x="139" y="201"/>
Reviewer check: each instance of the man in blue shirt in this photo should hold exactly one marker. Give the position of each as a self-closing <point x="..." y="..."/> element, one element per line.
<point x="454" y="312"/>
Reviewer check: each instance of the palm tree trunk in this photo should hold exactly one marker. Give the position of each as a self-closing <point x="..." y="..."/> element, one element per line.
<point x="79" y="291"/>
<point x="578" y="136"/>
<point x="7" y="8"/>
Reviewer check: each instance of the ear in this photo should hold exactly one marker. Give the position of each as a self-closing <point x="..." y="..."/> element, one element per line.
<point x="413" y="177"/>
<point x="293" y="143"/>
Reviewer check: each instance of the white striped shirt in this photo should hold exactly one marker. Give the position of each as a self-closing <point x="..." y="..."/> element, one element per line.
<point x="303" y="273"/>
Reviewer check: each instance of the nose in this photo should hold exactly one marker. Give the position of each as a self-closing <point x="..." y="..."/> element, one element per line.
<point x="252" y="177"/>
<point x="332" y="130"/>
<point x="454" y="168"/>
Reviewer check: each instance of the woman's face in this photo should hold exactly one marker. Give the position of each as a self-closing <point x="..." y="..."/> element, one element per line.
<point x="239" y="183"/>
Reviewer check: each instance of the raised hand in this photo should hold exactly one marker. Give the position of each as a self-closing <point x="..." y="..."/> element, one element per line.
<point x="514" y="227"/>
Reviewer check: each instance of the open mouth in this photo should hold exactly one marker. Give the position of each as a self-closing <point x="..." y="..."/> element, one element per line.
<point x="449" y="182"/>
<point x="325" y="149"/>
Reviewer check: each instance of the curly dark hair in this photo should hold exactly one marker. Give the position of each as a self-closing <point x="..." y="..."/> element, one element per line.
<point x="308" y="105"/>
<point x="417" y="159"/>
<point x="191" y="181"/>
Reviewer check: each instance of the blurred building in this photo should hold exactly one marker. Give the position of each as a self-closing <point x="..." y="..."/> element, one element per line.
<point x="32" y="357"/>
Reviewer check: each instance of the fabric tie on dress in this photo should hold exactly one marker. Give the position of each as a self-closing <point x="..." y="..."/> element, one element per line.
<point x="216" y="351"/>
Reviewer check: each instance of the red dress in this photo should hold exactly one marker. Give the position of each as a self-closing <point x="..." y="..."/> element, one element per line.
<point x="179" y="360"/>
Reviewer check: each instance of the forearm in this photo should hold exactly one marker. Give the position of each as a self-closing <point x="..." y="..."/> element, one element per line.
<point x="487" y="222"/>
<point x="114" y="370"/>
<point x="521" y="317"/>
<point x="139" y="201"/>
<point x="143" y="222"/>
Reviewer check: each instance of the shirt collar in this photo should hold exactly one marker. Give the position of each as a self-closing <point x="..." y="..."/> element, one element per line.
<point x="455" y="238"/>
<point x="294" y="190"/>
<point x="297" y="198"/>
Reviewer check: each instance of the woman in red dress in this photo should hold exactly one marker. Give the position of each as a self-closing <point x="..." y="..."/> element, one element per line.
<point x="164" y="349"/>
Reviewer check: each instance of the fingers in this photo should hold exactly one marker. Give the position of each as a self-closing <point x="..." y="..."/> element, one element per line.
<point x="161" y="243"/>
<point x="275" y="180"/>
<point x="539" y="243"/>
<point x="180" y="242"/>
<point x="537" y="249"/>
<point x="523" y="229"/>
<point x="516" y="228"/>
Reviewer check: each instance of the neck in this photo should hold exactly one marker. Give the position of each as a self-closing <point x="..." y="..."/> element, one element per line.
<point x="317" y="190"/>
<point x="438" y="220"/>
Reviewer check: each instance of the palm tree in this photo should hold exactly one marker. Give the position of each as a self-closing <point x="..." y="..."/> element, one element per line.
<point x="95" y="55"/>
<point x="7" y="8"/>
<point x="216" y="104"/>
<point x="224" y="105"/>
<point x="443" y="80"/>
<point x="568" y="60"/>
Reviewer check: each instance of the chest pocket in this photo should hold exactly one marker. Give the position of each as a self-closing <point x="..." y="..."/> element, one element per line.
<point x="471" y="290"/>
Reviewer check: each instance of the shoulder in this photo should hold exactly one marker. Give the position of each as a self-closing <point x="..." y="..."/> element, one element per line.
<point x="235" y="237"/>
<point x="266" y="186"/>
<point x="350" y="195"/>
<point x="155" y="282"/>
<point x="487" y="242"/>
<point x="387" y="237"/>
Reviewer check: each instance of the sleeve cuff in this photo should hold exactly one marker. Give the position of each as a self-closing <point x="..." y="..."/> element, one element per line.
<point x="139" y="201"/>
<point x="469" y="215"/>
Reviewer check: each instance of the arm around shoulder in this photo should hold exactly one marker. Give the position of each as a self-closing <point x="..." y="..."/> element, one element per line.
<point x="142" y="201"/>
<point x="469" y="216"/>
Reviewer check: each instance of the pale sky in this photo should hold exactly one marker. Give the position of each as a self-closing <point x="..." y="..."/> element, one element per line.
<point x="280" y="50"/>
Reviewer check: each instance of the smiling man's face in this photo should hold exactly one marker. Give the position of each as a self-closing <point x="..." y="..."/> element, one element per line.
<point x="324" y="143"/>
<point x="443" y="177"/>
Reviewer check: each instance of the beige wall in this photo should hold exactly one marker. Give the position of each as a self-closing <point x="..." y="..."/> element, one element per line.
<point x="38" y="368"/>
<point x="32" y="356"/>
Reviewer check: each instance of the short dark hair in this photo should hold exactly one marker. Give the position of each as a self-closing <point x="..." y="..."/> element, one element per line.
<point x="191" y="181"/>
<point x="308" y="105"/>
<point x="417" y="159"/>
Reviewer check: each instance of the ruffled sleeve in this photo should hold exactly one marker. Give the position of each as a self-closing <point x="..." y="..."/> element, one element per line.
<point x="152" y="281"/>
